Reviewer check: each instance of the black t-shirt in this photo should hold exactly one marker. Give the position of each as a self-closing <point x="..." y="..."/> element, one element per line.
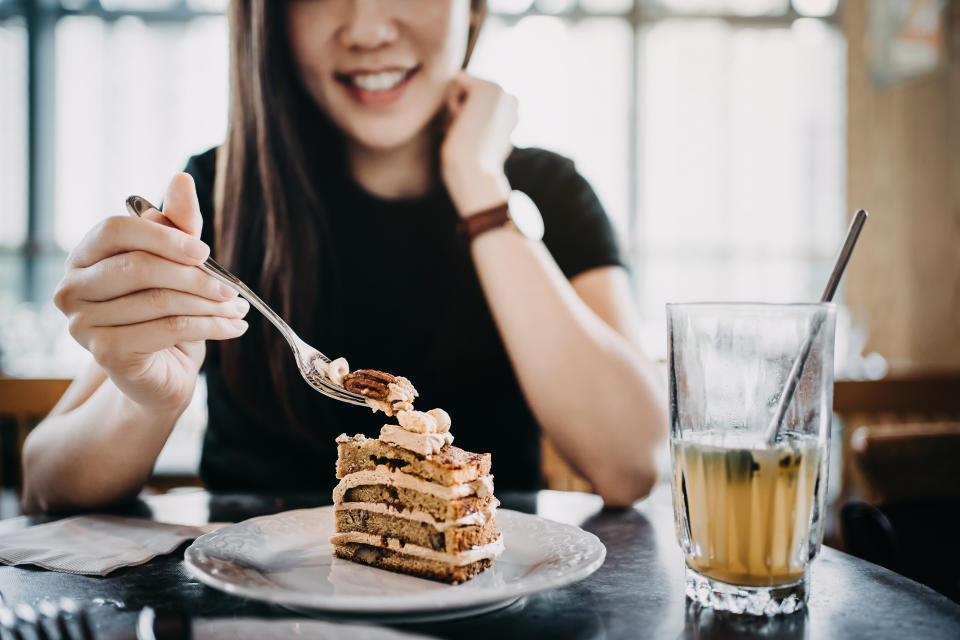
<point x="442" y="335"/>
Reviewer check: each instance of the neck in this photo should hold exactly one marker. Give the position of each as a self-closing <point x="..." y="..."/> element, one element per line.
<point x="403" y="172"/>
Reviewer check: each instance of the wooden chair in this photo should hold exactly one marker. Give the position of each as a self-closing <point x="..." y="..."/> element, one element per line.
<point x="23" y="403"/>
<point x="900" y="498"/>
<point x="902" y="463"/>
<point x="556" y="473"/>
<point x="907" y="401"/>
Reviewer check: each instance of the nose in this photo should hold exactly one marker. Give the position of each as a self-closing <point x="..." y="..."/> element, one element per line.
<point x="369" y="24"/>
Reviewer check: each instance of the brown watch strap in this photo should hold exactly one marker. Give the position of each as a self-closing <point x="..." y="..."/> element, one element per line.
<point x="485" y="220"/>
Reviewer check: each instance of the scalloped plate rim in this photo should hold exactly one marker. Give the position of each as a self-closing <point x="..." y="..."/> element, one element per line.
<point x="594" y="557"/>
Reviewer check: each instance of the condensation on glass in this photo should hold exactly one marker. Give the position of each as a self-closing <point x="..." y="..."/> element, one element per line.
<point x="749" y="512"/>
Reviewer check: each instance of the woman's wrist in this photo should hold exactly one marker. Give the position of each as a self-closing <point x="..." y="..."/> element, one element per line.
<point x="154" y="417"/>
<point x="476" y="191"/>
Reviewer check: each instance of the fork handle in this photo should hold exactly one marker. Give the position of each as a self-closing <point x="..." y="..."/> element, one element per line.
<point x="137" y="206"/>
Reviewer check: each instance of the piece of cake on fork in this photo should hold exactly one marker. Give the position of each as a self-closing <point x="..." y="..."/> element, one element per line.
<point x="410" y="501"/>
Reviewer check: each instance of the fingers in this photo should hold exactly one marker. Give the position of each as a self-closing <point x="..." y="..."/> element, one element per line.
<point x="123" y="234"/>
<point x="181" y="209"/>
<point x="456" y="96"/>
<point x="134" y="271"/>
<point x="181" y="206"/>
<point x="467" y="92"/>
<point x="155" y="216"/>
<point x="467" y="80"/>
<point x="464" y="83"/>
<point x="114" y="346"/>
<point x="152" y="304"/>
<point x="149" y="337"/>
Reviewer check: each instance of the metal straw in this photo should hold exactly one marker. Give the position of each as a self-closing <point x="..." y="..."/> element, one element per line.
<point x="796" y="371"/>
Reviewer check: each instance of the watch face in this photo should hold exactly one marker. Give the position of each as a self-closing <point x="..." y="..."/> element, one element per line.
<point x="525" y="215"/>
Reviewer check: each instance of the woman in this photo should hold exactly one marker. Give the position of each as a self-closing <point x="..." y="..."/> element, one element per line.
<point x="355" y="147"/>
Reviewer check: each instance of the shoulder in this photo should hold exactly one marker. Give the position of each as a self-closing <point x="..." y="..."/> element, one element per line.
<point x="565" y="198"/>
<point x="532" y="167"/>
<point x="553" y="183"/>
<point x="577" y="231"/>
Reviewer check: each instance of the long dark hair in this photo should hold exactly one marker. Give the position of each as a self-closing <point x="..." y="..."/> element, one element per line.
<point x="272" y="228"/>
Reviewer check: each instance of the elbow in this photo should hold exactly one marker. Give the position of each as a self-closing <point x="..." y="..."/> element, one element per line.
<point x="634" y="479"/>
<point x="31" y="501"/>
<point x="622" y="490"/>
<point x="53" y="481"/>
<point x="45" y="486"/>
<point x="636" y="475"/>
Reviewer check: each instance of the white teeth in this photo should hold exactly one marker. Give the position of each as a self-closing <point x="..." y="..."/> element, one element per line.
<point x="378" y="81"/>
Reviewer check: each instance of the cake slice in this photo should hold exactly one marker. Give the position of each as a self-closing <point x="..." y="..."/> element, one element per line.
<point x="450" y="466"/>
<point x="409" y="501"/>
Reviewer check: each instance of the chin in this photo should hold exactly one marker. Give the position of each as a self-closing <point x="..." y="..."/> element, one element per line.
<point x="386" y="133"/>
<point x="382" y="140"/>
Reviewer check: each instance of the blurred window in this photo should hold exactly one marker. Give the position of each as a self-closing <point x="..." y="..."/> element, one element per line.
<point x="712" y="130"/>
<point x="13" y="154"/>
<point x="135" y="99"/>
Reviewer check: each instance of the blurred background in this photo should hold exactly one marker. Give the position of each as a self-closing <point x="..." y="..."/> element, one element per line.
<point x="729" y="141"/>
<point x="713" y="130"/>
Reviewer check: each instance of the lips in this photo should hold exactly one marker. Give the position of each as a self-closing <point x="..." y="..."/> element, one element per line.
<point x="376" y="87"/>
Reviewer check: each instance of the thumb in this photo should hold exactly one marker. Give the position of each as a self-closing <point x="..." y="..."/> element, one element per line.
<point x="180" y="205"/>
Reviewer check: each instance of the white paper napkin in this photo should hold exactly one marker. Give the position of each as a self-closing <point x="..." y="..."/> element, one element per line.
<point x="258" y="629"/>
<point x="94" y="544"/>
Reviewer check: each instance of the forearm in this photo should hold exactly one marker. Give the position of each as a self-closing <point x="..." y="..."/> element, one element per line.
<point x="95" y="454"/>
<point x="597" y="397"/>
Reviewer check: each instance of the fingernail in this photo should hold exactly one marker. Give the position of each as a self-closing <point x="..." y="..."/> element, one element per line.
<point x="241" y="325"/>
<point x="227" y="291"/>
<point x="241" y="306"/>
<point x="195" y="249"/>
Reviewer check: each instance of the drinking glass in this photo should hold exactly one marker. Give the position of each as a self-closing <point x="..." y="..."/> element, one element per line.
<point x="748" y="511"/>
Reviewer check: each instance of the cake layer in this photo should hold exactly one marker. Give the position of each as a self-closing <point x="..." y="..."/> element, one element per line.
<point x="423" y="534"/>
<point x="487" y="551"/>
<point x="477" y="518"/>
<point x="451" y="466"/>
<point x="411" y="565"/>
<point x="384" y="475"/>
<point x="411" y="499"/>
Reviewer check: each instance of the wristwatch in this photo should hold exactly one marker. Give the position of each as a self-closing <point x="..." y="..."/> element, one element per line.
<point x="518" y="212"/>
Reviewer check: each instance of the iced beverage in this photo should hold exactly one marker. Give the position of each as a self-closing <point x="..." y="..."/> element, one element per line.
<point x="746" y="513"/>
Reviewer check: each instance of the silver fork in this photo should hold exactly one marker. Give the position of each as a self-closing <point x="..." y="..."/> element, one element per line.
<point x="48" y="621"/>
<point x="304" y="353"/>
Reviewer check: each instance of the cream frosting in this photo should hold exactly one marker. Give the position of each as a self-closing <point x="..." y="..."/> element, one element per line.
<point x="417" y="421"/>
<point x="382" y="474"/>
<point x="337" y="369"/>
<point x="480" y="552"/>
<point x="401" y="391"/>
<point x="423" y="443"/>
<point x="379" y="405"/>
<point x="442" y="418"/>
<point x="476" y="518"/>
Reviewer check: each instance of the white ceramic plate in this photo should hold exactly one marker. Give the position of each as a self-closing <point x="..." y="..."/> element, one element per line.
<point x="287" y="559"/>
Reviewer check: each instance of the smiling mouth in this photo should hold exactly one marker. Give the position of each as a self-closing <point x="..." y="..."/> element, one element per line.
<point x="380" y="81"/>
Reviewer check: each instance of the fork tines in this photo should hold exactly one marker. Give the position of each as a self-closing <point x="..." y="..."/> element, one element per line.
<point x="62" y="621"/>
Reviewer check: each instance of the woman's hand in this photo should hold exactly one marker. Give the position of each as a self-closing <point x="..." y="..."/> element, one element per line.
<point x="477" y="143"/>
<point x="137" y="302"/>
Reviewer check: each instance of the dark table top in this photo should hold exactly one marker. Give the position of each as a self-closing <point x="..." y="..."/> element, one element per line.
<point x="638" y="592"/>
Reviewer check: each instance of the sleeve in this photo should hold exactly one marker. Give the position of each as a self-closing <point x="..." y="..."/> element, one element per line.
<point x="577" y="231"/>
<point x="203" y="169"/>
